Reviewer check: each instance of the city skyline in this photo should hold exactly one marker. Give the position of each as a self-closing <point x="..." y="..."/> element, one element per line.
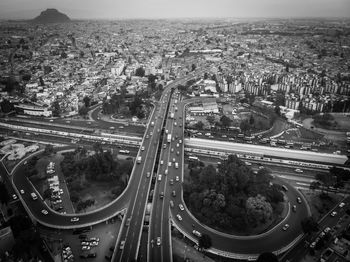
<point x="108" y="9"/>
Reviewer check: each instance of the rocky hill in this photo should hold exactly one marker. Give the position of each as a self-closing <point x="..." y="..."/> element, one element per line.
<point x="51" y="16"/>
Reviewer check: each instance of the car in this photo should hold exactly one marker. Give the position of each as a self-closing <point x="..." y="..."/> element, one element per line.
<point x="85" y="247"/>
<point x="177" y="178"/>
<point x="181" y="207"/>
<point x="94" y="243"/>
<point x="294" y="208"/>
<point x="127" y="223"/>
<point x="74" y="219"/>
<point x="161" y="195"/>
<point x="148" y="174"/>
<point x="147" y="136"/>
<point x="179" y="217"/>
<point x="85" y="243"/>
<point x="285" y="227"/>
<point x="298" y="170"/>
<point x="83" y="236"/>
<point x="171" y="181"/>
<point x="327" y="229"/>
<point x="158" y="241"/>
<point x="173" y="193"/>
<point x="164" y="146"/>
<point x="161" y="162"/>
<point x="322" y="234"/>
<point x="172" y="150"/>
<point x="91" y="255"/>
<point x="333" y="214"/>
<point x="196" y="233"/>
<point x="174" y="160"/>
<point x="299" y="200"/>
<point x="159" y="177"/>
<point x="178" y="153"/>
<point x="122" y="244"/>
<point x="142" y="148"/>
<point x="169" y="164"/>
<point x="44" y="211"/>
<point x="14" y="196"/>
<point x="177" y="145"/>
<point x="95" y="239"/>
<point x="21" y="191"/>
<point x="313" y="244"/>
<point x="342" y="204"/>
<point x="171" y="203"/>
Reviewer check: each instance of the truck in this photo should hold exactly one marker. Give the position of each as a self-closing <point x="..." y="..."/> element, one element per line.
<point x="139" y="158"/>
<point x="169" y="138"/>
<point x="147" y="214"/>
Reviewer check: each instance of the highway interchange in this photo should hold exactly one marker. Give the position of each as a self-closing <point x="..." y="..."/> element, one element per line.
<point x="134" y="199"/>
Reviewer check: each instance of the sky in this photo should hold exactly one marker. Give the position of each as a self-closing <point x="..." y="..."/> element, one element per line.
<point x="115" y="9"/>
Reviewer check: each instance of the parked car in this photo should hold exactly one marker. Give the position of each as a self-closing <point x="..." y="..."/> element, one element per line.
<point x="285" y="227"/>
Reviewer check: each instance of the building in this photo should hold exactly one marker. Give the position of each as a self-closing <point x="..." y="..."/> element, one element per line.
<point x="33" y="110"/>
<point x="7" y="240"/>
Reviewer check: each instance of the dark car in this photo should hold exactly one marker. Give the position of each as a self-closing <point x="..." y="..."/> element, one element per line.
<point x="82" y="236"/>
<point x="92" y="254"/>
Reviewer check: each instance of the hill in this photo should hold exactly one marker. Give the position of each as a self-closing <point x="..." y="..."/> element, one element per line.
<point x="51" y="15"/>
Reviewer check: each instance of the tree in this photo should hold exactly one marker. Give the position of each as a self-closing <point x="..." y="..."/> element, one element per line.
<point x="48" y="149"/>
<point x="267" y="257"/>
<point x="140" y="72"/>
<point x="97" y="148"/>
<point x="309" y="225"/>
<point x="4" y="195"/>
<point x="193" y="67"/>
<point x="225" y="121"/>
<point x="251" y="120"/>
<point x="87" y="101"/>
<point x="204" y="241"/>
<point x="258" y="210"/>
<point x="83" y="111"/>
<point x="6" y="106"/>
<point x="211" y="119"/>
<point x="244" y="126"/>
<point x="199" y="125"/>
<point x="56" y="108"/>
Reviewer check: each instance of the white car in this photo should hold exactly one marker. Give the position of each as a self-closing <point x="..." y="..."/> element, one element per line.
<point x="161" y="162"/>
<point x="298" y="170"/>
<point x="142" y="148"/>
<point x="177" y="178"/>
<point x="342" y="204"/>
<point x="159" y="177"/>
<point x="333" y="214"/>
<point x="179" y="217"/>
<point x="158" y="241"/>
<point x="181" y="207"/>
<point x="285" y="227"/>
<point x="85" y="248"/>
<point x="169" y="164"/>
<point x="44" y="211"/>
<point x="21" y="191"/>
<point x="14" y="196"/>
<point x="74" y="219"/>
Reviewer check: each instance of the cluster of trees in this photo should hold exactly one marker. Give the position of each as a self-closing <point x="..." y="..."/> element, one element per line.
<point x="117" y="104"/>
<point x="31" y="170"/>
<point x="184" y="89"/>
<point x="325" y="120"/>
<point x="80" y="168"/>
<point x="336" y="178"/>
<point x="231" y="197"/>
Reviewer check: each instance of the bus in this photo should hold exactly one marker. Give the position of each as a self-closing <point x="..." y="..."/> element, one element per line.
<point x="193" y="158"/>
<point x="125" y="152"/>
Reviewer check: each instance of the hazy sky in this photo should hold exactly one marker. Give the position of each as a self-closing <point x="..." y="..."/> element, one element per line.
<point x="14" y="9"/>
